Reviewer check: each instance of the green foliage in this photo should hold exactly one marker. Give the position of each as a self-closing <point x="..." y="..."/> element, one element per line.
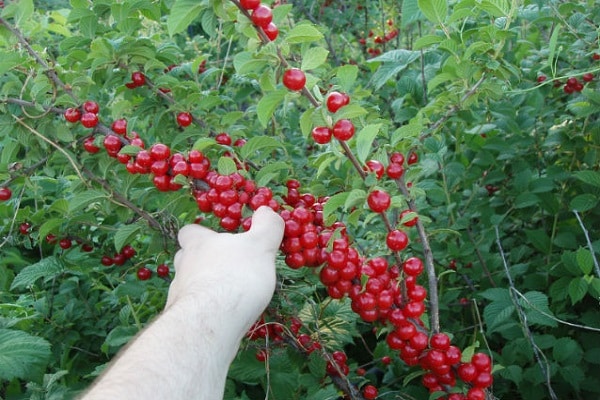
<point x="505" y="158"/>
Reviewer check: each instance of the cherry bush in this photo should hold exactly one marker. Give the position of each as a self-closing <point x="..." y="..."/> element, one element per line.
<point x="436" y="165"/>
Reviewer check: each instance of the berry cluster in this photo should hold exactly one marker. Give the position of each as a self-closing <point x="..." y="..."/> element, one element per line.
<point x="262" y="17"/>
<point x="343" y="129"/>
<point x="137" y="79"/>
<point x="378" y="40"/>
<point x="88" y="119"/>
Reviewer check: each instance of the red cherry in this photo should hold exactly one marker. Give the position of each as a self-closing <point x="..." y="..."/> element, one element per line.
<point x="294" y="79"/>
<point x="453" y="355"/>
<point x="144" y="273"/>
<point x="160" y="151"/>
<point x="249" y="4"/>
<point x="119" y="126"/>
<point x="595" y="56"/>
<point x="397" y="240"/>
<point x="195" y="156"/>
<point x="5" y="194"/>
<point x="482" y="362"/>
<point x="412" y="158"/>
<point x="91" y="107"/>
<point x="181" y="168"/>
<point x="483" y="380"/>
<point x="588" y="77"/>
<point x="24" y="228"/>
<point x="106" y="261"/>
<point x="376" y="167"/>
<point x="411" y="222"/>
<point x="336" y="100"/>
<point x="128" y="251"/>
<point x="184" y="119"/>
<point x="413" y="266"/>
<point x="262" y="16"/>
<point x="321" y="134"/>
<point x="87" y="247"/>
<point x="271" y="31"/>
<point x="467" y="372"/>
<point x="162" y="270"/>
<point x="370" y="392"/>
<point x="112" y="144"/>
<point x="89" y="119"/>
<point x="65" y="243"/>
<point x="440" y="341"/>
<point x="138" y="78"/>
<point x="395" y="170"/>
<point x="72" y="114"/>
<point x="476" y="394"/>
<point x="343" y="129"/>
<point x="541" y="78"/>
<point x="379" y="201"/>
<point x="223" y="138"/>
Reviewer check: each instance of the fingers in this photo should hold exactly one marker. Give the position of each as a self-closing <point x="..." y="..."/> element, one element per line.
<point x="193" y="234"/>
<point x="267" y="228"/>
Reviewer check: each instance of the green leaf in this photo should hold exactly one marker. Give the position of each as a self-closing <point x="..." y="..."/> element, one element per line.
<point x="267" y="105"/>
<point x="583" y="202"/>
<point x="410" y="12"/>
<point x="350" y="111"/>
<point x="271" y="171"/>
<point x="336" y="201"/>
<point x="22" y="355"/>
<point x="496" y="8"/>
<point x="496" y="315"/>
<point x="46" y="268"/>
<point x="259" y="143"/>
<point x="84" y="199"/>
<point x="355" y="197"/>
<point x="539" y="239"/>
<point x="434" y="10"/>
<point x="364" y="141"/>
<point x="589" y="177"/>
<point x="182" y="13"/>
<point x="346" y="76"/>
<point x="426" y="41"/>
<point x="535" y="306"/>
<point x="567" y="351"/>
<point x="226" y="166"/>
<point x="585" y="260"/>
<point x="21" y="11"/>
<point x="303" y="33"/>
<point x="314" y="57"/>
<point x="394" y="62"/>
<point x="51" y="225"/>
<point x="578" y="288"/>
<point x="125" y="234"/>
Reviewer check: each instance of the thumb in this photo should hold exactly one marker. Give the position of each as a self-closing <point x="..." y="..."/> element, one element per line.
<point x="267" y="227"/>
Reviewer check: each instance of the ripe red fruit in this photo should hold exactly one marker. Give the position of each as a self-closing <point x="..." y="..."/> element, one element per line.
<point x="440" y="341"/>
<point x="395" y="170"/>
<point x="412" y="266"/>
<point x="588" y="77"/>
<point x="106" y="261"/>
<point x="482" y="362"/>
<point x="379" y="201"/>
<point x="476" y="394"/>
<point x="483" y="380"/>
<point x="184" y="119"/>
<point x="396" y="240"/>
<point x="271" y="31"/>
<point x="386" y="360"/>
<point x="321" y="134"/>
<point x="467" y="372"/>
<point x="370" y="392"/>
<point x="138" y="78"/>
<point x="249" y="4"/>
<point x="5" y="194"/>
<point x="65" y="243"/>
<point x="72" y="114"/>
<point x="376" y="167"/>
<point x="411" y="222"/>
<point x="262" y="16"/>
<point x="128" y="251"/>
<point x="91" y="107"/>
<point x="541" y="78"/>
<point x="112" y="144"/>
<point x="294" y="79"/>
<point x="87" y="247"/>
<point x="24" y="228"/>
<point x="412" y="158"/>
<point x="595" y="56"/>
<point x="119" y="126"/>
<point x="119" y="259"/>
<point x="143" y="273"/>
<point x="160" y="151"/>
<point x="223" y="138"/>
<point x="337" y="100"/>
<point x="162" y="270"/>
<point x="343" y="129"/>
<point x="89" y="119"/>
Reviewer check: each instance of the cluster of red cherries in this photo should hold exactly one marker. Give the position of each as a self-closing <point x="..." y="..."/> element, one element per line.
<point x="261" y="16"/>
<point x="378" y="39"/>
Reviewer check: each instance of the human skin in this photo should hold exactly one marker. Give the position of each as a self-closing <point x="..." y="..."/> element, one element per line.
<point x="223" y="282"/>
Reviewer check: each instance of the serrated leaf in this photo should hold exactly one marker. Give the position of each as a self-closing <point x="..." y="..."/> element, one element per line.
<point x="393" y="62"/>
<point x="426" y="41"/>
<point x="535" y="306"/>
<point x="496" y="8"/>
<point x="496" y="314"/>
<point x="410" y="12"/>
<point x="434" y="10"/>
<point x="567" y="351"/>
<point x="182" y="14"/>
<point x="303" y="33"/>
<point x="355" y="197"/>
<point x="226" y="166"/>
<point x="583" y="202"/>
<point x="270" y="171"/>
<point x="130" y="150"/>
<point x="203" y="143"/>
<point x="364" y="141"/>
<point x="346" y="76"/>
<point x="350" y="111"/>
<point x="578" y="288"/>
<point x="46" y="268"/>
<point x="333" y="203"/>
<point x="314" y="57"/>
<point x="125" y="234"/>
<point x="259" y="143"/>
<point x="585" y="260"/>
<point x="51" y="226"/>
<point x="84" y="199"/>
<point x="589" y="177"/>
<point x="267" y="105"/>
<point x="22" y="355"/>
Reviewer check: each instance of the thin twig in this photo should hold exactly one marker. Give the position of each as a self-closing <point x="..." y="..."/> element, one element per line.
<point x="589" y="242"/>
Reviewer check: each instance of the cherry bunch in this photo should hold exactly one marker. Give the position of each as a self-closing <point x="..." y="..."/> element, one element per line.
<point x="261" y="17"/>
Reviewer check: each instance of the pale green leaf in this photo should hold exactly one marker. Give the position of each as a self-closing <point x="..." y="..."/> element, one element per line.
<point x="182" y="14"/>
<point x="125" y="234"/>
<point x="84" y="199"/>
<point x="434" y="10"/>
<point x="46" y="268"/>
<point x="226" y="166"/>
<point x="313" y="58"/>
<point x="578" y="288"/>
<point x="364" y="141"/>
<point x="22" y="355"/>
<point x="410" y="12"/>
<point x="585" y="260"/>
<point x="303" y="33"/>
<point x="346" y="76"/>
<point x="259" y="143"/>
<point x="336" y="201"/>
<point x="267" y="105"/>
